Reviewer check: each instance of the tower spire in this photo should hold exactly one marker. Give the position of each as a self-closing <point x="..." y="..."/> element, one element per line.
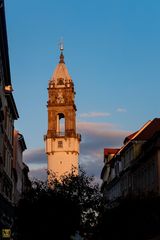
<point x="62" y="140"/>
<point x="61" y="49"/>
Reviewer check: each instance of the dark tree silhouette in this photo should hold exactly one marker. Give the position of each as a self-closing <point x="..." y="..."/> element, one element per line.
<point x="134" y="218"/>
<point x="58" y="209"/>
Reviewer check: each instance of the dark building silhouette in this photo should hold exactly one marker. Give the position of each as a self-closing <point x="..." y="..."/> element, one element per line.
<point x="8" y="114"/>
<point x="134" y="169"/>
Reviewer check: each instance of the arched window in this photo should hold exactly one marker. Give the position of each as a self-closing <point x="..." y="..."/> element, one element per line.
<point x="60" y="123"/>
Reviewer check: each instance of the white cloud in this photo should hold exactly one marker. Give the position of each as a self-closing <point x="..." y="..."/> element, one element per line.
<point x="121" y="110"/>
<point x="94" y="114"/>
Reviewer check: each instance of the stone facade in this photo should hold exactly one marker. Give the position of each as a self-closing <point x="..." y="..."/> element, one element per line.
<point x="62" y="141"/>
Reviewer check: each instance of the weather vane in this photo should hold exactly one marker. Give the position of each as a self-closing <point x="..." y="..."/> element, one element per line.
<point x="61" y="45"/>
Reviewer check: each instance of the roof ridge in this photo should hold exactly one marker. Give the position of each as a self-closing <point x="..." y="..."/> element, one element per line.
<point x="138" y="132"/>
<point x="142" y="128"/>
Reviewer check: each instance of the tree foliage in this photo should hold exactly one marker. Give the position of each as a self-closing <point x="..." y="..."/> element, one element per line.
<point x="56" y="210"/>
<point x="134" y="218"/>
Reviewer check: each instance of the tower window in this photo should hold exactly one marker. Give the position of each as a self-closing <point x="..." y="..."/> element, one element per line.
<point x="60" y="123"/>
<point x="60" y="144"/>
<point x="60" y="81"/>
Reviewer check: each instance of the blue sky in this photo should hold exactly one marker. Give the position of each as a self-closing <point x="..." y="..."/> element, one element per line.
<point x="112" y="52"/>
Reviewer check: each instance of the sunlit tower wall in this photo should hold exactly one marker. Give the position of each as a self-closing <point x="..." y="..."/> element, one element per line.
<point x="61" y="141"/>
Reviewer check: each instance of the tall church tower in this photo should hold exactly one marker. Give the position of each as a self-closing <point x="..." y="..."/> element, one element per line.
<point x="62" y="141"/>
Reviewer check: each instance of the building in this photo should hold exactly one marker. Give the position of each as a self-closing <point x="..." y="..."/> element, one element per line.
<point x="62" y="141"/>
<point x="8" y="114"/>
<point x="134" y="169"/>
<point x="20" y="170"/>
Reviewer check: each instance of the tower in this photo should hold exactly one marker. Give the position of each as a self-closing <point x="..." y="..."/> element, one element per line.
<point x="62" y="141"/>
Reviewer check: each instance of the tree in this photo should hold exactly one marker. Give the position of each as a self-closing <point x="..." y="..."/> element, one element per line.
<point x="133" y="218"/>
<point x="56" y="210"/>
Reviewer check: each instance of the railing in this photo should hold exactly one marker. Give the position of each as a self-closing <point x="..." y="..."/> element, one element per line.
<point x="63" y="134"/>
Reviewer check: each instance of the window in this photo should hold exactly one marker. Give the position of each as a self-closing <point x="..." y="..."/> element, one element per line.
<point x="60" y="123"/>
<point x="60" y="144"/>
<point x="60" y="81"/>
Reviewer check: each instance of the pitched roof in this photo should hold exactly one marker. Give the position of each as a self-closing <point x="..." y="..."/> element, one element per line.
<point x="144" y="133"/>
<point x="128" y="138"/>
<point x="151" y="128"/>
<point x="108" y="151"/>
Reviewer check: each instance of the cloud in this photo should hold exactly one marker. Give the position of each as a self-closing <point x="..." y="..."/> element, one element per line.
<point x="39" y="173"/>
<point x="95" y="137"/>
<point x="100" y="135"/>
<point x="121" y="110"/>
<point x="94" y="114"/>
<point x="35" y="156"/>
<point x="37" y="162"/>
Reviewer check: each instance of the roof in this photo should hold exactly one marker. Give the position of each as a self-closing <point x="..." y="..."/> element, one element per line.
<point x="108" y="151"/>
<point x="144" y="133"/>
<point x="148" y="131"/>
<point x="61" y="71"/>
<point x="128" y="138"/>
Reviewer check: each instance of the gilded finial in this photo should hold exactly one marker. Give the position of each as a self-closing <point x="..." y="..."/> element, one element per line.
<point x="61" y="45"/>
